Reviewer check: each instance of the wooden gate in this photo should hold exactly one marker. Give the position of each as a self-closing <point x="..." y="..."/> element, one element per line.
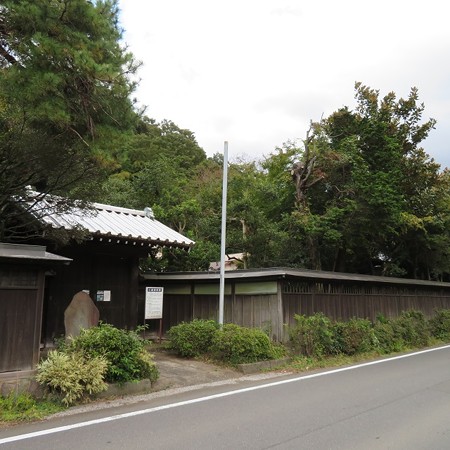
<point x="21" y="297"/>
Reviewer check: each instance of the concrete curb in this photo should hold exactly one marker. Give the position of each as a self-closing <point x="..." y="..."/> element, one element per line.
<point x="262" y="365"/>
<point x="129" y="388"/>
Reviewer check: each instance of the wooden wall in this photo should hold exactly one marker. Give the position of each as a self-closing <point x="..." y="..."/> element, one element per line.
<point x="270" y="305"/>
<point x="244" y="305"/>
<point x="21" y="298"/>
<point x="345" y="301"/>
<point x="93" y="272"/>
<point x="257" y="311"/>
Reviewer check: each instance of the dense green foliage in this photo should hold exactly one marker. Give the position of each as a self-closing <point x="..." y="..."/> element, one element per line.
<point x="413" y="328"/>
<point x="312" y="335"/>
<point x="440" y="325"/>
<point x="354" y="336"/>
<point x="240" y="345"/>
<point x="65" y="85"/>
<point x="381" y="188"/>
<point x="230" y="343"/>
<point x="73" y="376"/>
<point x="124" y="351"/>
<point x="194" y="338"/>
<point x="359" y="194"/>
<point x="82" y="365"/>
<point x="317" y="336"/>
<point x="387" y="335"/>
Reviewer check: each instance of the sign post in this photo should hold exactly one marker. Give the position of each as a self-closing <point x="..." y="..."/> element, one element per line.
<point x="154" y="305"/>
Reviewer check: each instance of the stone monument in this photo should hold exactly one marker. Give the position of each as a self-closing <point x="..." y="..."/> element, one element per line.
<point x="81" y="313"/>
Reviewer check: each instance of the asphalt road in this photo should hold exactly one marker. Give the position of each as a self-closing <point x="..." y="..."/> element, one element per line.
<point x="400" y="403"/>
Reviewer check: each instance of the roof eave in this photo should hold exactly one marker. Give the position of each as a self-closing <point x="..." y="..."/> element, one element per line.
<point x="141" y="241"/>
<point x="305" y="274"/>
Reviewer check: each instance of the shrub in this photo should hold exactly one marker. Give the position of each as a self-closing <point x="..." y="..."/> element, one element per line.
<point x="354" y="336"/>
<point x="239" y="345"/>
<point x="278" y="350"/>
<point x="389" y="339"/>
<point x="123" y="350"/>
<point x="312" y="336"/>
<point x="440" y="325"/>
<point x="72" y="375"/>
<point x="194" y="338"/>
<point x="413" y="328"/>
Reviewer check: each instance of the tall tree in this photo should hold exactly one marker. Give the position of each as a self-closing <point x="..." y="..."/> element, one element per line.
<point x="154" y="166"/>
<point x="65" y="85"/>
<point x="379" y="185"/>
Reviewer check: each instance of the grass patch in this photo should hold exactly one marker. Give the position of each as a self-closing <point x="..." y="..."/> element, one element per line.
<point x="24" y="408"/>
<point x="300" y="363"/>
<point x="306" y="363"/>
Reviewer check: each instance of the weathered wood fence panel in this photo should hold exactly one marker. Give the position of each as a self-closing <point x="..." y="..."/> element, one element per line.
<point x="207" y="306"/>
<point x="17" y="324"/>
<point x="272" y="301"/>
<point x="245" y="310"/>
<point x="346" y="306"/>
<point x="21" y="298"/>
<point x="257" y="311"/>
<point x="176" y="309"/>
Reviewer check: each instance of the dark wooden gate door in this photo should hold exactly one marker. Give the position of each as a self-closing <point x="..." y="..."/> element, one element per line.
<point x="20" y="317"/>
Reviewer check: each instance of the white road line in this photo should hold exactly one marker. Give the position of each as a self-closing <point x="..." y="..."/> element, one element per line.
<point x="210" y="397"/>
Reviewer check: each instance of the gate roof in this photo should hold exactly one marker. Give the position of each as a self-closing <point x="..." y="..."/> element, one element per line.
<point x="109" y="223"/>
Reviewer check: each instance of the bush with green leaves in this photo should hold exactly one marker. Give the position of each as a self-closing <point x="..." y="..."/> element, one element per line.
<point x="354" y="336"/>
<point x="191" y="339"/>
<point x="125" y="352"/>
<point x="387" y="335"/>
<point x="72" y="376"/>
<point x="239" y="345"/>
<point x="413" y="328"/>
<point x="440" y="325"/>
<point x="312" y="335"/>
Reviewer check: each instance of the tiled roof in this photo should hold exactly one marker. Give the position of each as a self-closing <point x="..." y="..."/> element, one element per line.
<point x="111" y="222"/>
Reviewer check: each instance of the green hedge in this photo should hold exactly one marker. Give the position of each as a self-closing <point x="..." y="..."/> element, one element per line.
<point x="190" y="339"/>
<point x="354" y="336"/>
<point x="440" y="325"/>
<point x="230" y="343"/>
<point x="240" y="345"/>
<point x="318" y="336"/>
<point x="311" y="336"/>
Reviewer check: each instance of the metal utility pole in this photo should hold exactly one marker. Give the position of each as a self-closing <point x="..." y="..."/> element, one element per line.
<point x="223" y="233"/>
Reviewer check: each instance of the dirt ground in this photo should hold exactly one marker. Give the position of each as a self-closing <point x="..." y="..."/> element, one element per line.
<point x="175" y="372"/>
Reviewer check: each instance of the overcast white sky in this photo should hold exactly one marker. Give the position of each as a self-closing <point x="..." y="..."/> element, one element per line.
<point x="255" y="72"/>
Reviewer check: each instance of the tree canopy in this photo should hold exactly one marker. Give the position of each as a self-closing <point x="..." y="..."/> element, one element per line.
<point x="65" y="85"/>
<point x="358" y="194"/>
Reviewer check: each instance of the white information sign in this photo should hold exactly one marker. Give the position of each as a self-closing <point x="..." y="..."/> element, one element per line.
<point x="154" y="302"/>
<point x="103" y="296"/>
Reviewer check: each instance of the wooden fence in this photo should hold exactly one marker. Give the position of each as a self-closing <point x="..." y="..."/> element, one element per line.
<point x="271" y="305"/>
<point x="343" y="301"/>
